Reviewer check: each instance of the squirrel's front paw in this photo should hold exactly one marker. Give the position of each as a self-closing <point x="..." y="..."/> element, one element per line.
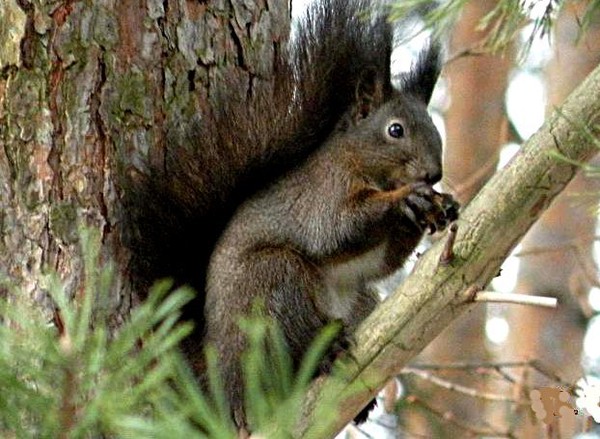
<point x="429" y="209"/>
<point x="446" y="212"/>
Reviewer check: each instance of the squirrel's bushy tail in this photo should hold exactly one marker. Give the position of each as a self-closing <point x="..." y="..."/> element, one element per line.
<point x="175" y="211"/>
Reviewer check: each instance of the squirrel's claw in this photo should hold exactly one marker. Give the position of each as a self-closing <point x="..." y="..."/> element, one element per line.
<point x="429" y="209"/>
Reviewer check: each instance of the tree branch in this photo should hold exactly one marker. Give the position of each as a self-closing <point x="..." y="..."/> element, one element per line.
<point x="435" y="294"/>
<point x="520" y="299"/>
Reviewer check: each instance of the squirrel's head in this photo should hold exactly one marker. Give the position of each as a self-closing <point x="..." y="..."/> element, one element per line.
<point x="390" y="132"/>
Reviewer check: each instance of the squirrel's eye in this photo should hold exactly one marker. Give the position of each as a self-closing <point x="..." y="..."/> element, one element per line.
<point x="396" y="130"/>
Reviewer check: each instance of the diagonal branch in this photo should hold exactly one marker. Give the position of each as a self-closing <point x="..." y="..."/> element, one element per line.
<point x="489" y="228"/>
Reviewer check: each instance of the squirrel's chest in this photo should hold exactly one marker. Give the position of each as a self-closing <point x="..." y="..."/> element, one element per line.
<point x="345" y="278"/>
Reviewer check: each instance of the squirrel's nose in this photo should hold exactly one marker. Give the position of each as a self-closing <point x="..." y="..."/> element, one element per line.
<point x="432" y="177"/>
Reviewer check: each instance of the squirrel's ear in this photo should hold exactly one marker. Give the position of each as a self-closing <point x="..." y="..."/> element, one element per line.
<point x="422" y="77"/>
<point x="370" y="94"/>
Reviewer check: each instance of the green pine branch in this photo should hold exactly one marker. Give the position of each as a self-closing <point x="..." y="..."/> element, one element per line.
<point x="72" y="378"/>
<point x="501" y="26"/>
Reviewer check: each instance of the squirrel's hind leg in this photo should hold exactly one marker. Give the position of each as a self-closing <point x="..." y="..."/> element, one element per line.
<point x="291" y="282"/>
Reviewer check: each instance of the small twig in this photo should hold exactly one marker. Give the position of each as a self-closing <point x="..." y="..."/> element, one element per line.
<point x="448" y="252"/>
<point x="448" y="416"/>
<point x="459" y="388"/>
<point x="520" y="299"/>
<point x="390" y="392"/>
<point x="534" y="365"/>
<point x="475" y="51"/>
<point x="546" y="371"/>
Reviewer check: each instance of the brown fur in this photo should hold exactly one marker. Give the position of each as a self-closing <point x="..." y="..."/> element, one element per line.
<point x="361" y="201"/>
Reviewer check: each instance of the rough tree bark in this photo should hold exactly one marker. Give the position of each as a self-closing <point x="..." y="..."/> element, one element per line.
<point x="489" y="228"/>
<point x="87" y="90"/>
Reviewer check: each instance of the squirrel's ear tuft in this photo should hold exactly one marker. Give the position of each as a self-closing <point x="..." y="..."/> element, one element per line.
<point x="371" y="91"/>
<point x="422" y="77"/>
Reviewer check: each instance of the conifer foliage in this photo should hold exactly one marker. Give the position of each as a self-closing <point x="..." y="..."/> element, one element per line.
<point x="72" y="378"/>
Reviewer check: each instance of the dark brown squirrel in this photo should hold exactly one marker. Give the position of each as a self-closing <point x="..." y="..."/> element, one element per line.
<point x="313" y="191"/>
<point x="309" y="245"/>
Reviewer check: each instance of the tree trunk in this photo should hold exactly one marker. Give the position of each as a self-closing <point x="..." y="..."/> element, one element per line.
<point x="476" y="118"/>
<point x="87" y="91"/>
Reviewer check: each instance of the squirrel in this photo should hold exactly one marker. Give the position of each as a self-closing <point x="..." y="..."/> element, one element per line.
<point x="301" y="198"/>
